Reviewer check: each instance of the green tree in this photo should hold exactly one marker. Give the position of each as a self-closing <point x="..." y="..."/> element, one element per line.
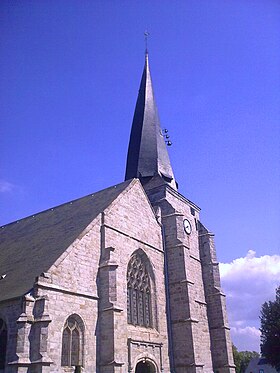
<point x="242" y="359"/>
<point x="270" y="331"/>
<point x="236" y="358"/>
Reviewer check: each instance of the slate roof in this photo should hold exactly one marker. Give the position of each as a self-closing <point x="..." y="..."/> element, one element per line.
<point x="147" y="153"/>
<point x="30" y="246"/>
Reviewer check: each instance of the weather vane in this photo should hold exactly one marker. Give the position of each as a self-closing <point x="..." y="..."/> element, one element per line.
<point x="146" y="33"/>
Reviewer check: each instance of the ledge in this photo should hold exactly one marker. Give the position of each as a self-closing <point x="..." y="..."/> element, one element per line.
<point x="191" y="320"/>
<point x="218" y="292"/>
<point x="144" y="343"/>
<point x="112" y="363"/>
<point x="23" y="318"/>
<point x="21" y="361"/>
<point x="189" y="282"/>
<point x="107" y="263"/>
<point x="177" y="246"/>
<point x="200" y="302"/>
<point x="133" y="238"/>
<point x="64" y="290"/>
<point x="198" y="365"/>
<point x="220" y="327"/>
<point x="173" y="214"/>
<point x="43" y="318"/>
<point x="195" y="258"/>
<point x="112" y="308"/>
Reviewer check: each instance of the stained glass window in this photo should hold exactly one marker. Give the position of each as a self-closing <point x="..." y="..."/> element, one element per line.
<point x="138" y="292"/>
<point x="72" y="342"/>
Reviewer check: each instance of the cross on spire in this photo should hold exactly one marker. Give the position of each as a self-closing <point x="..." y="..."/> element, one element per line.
<point x="146" y="34"/>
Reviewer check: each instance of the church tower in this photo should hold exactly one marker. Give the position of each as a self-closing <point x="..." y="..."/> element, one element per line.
<point x="124" y="280"/>
<point x="198" y="332"/>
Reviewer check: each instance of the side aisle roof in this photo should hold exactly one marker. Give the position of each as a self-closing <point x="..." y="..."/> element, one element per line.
<point x="30" y="246"/>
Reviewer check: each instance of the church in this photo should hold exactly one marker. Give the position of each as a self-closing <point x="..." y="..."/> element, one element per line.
<point x="124" y="280"/>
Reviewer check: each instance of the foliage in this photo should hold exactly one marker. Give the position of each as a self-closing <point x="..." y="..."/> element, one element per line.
<point x="270" y="331"/>
<point x="236" y="358"/>
<point x="242" y="359"/>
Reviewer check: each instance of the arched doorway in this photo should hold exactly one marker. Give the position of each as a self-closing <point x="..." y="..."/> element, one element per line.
<point x="145" y="367"/>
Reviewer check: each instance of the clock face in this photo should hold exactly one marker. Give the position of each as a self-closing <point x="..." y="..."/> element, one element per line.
<point x="187" y="226"/>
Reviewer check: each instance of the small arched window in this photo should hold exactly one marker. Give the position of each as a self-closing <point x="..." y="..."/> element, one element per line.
<point x="72" y="342"/>
<point x="3" y="343"/>
<point x="139" y="310"/>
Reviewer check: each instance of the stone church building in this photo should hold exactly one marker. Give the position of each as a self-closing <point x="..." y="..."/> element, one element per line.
<point x="123" y="280"/>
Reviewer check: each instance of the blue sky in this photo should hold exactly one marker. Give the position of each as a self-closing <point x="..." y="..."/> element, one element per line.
<point x="69" y="77"/>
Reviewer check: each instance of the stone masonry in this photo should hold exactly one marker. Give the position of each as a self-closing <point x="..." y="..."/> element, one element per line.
<point x="197" y="305"/>
<point x="89" y="280"/>
<point x="124" y="280"/>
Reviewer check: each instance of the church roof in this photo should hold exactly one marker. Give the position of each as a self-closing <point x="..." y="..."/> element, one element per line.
<point x="30" y="246"/>
<point x="147" y="153"/>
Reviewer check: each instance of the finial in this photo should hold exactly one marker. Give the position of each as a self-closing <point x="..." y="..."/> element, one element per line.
<point x="146" y="33"/>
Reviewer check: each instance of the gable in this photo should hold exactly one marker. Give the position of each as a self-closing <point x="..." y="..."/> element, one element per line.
<point x="132" y="214"/>
<point x="30" y="246"/>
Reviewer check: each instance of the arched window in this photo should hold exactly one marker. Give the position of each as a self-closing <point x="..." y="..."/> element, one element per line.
<point x="72" y="342"/>
<point x="3" y="343"/>
<point x="139" y="309"/>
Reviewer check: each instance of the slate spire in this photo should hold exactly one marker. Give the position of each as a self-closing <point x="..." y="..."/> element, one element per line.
<point x="147" y="153"/>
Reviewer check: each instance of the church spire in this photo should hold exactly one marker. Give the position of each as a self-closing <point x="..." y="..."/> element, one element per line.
<point x="147" y="153"/>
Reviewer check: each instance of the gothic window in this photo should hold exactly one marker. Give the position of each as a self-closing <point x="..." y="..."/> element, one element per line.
<point x="72" y="342"/>
<point x="3" y="343"/>
<point x="138" y="292"/>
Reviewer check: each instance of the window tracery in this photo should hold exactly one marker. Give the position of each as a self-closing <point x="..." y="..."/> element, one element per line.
<point x="138" y="293"/>
<point x="72" y="342"/>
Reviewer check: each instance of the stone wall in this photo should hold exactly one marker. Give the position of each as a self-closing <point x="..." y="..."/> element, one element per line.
<point x="89" y="281"/>
<point x="188" y="307"/>
<point x="10" y="312"/>
<point x="221" y="345"/>
<point x="129" y="226"/>
<point x="200" y="332"/>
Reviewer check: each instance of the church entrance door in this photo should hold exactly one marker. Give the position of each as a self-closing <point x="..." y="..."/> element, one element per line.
<point x="145" y="367"/>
